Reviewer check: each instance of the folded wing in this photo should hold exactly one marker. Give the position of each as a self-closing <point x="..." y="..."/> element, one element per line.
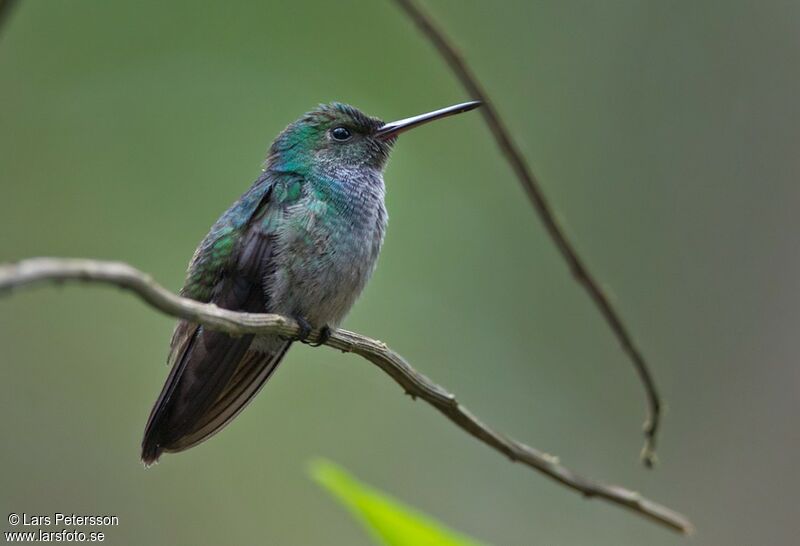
<point x="214" y="375"/>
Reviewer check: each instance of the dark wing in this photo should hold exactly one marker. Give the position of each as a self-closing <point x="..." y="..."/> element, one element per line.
<point x="251" y="374"/>
<point x="214" y="375"/>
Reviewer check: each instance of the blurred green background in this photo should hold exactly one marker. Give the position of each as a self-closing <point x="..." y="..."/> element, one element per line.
<point x="665" y="134"/>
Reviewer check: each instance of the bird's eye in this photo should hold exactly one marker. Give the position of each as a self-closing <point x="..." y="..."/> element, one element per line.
<point x="341" y="134"/>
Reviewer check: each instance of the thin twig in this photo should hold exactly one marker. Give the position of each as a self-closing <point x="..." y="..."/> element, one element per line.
<point x="536" y="195"/>
<point x="6" y="7"/>
<point x="40" y="270"/>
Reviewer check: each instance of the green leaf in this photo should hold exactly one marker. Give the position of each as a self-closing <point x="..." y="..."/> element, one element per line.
<point x="390" y="522"/>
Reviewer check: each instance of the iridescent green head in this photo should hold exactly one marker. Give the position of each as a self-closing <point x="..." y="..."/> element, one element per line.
<point x="338" y="136"/>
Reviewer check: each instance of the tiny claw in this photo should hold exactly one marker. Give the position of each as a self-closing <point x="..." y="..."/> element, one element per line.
<point x="305" y="329"/>
<point x="324" y="336"/>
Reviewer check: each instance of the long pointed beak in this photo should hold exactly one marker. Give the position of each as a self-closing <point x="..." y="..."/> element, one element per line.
<point x="394" y="128"/>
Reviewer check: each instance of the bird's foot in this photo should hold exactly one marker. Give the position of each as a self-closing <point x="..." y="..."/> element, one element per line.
<point x="324" y="336"/>
<point x="305" y="329"/>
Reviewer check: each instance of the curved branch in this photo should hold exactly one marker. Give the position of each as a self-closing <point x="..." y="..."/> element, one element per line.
<point x="536" y="195"/>
<point x="6" y="7"/>
<point x="40" y="270"/>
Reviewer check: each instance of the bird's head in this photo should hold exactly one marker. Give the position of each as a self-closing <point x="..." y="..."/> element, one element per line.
<point x="337" y="136"/>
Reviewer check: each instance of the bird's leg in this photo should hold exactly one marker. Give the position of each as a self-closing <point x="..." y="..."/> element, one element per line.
<point x="305" y="329"/>
<point x="324" y="336"/>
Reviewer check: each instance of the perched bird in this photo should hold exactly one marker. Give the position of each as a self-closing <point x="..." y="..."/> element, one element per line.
<point x="301" y="242"/>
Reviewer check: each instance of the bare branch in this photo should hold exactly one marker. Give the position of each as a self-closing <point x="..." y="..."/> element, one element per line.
<point x="40" y="270"/>
<point x="6" y="7"/>
<point x="536" y="195"/>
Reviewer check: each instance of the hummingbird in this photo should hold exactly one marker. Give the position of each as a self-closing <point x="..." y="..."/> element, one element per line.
<point x="302" y="242"/>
